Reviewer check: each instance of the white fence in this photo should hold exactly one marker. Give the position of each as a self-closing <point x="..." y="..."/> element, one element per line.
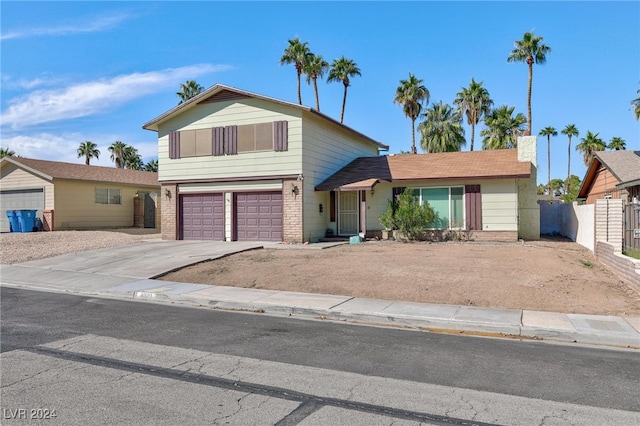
<point x="569" y="220"/>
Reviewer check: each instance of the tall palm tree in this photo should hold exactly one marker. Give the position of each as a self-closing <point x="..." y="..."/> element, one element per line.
<point x="531" y="50"/>
<point x="548" y="132"/>
<point x="410" y="94"/>
<point x="474" y="102"/>
<point x="502" y="128"/>
<point x="589" y="146"/>
<point x="617" y="144"/>
<point x="188" y="90"/>
<point x="117" y="150"/>
<point x="315" y="67"/>
<point x="636" y="106"/>
<point x="151" y="166"/>
<point x="569" y="130"/>
<point x="88" y="150"/>
<point x="442" y="129"/>
<point x="6" y="152"/>
<point x="296" y="53"/>
<point x="341" y="70"/>
<point x="132" y="160"/>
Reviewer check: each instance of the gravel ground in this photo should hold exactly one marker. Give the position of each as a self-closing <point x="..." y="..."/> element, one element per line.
<point x="21" y="247"/>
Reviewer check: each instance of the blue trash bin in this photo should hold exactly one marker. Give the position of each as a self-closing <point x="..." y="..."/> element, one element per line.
<point x="14" y="224"/>
<point x="27" y="219"/>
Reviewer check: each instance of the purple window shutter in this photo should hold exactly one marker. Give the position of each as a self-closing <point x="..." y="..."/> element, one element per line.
<point x="231" y="140"/>
<point x="397" y="191"/>
<point x="473" y="207"/>
<point x="174" y="145"/>
<point x="281" y="135"/>
<point x="218" y="140"/>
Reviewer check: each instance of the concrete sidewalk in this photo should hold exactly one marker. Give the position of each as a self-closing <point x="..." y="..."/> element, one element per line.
<point x="125" y="272"/>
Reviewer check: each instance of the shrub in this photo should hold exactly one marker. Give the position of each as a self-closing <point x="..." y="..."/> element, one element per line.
<point x="410" y="217"/>
<point x="387" y="219"/>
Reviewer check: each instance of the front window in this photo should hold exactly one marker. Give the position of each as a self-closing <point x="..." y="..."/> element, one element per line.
<point x="108" y="196"/>
<point x="447" y="204"/>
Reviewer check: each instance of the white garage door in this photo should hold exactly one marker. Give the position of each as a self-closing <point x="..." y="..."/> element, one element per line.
<point x="20" y="199"/>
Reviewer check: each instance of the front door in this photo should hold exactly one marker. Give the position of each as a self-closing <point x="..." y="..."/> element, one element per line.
<point x="348" y="213"/>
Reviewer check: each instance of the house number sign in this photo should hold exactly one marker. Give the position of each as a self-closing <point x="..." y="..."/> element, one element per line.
<point x="636" y="233"/>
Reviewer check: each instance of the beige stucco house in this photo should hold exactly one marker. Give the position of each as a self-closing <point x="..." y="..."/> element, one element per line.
<point x="77" y="196"/>
<point x="235" y="165"/>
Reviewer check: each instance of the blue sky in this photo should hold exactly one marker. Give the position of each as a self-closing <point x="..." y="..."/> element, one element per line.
<point x="76" y="71"/>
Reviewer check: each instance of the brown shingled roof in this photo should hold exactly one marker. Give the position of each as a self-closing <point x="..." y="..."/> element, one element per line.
<point x="492" y="164"/>
<point x="60" y="170"/>
<point x="624" y="165"/>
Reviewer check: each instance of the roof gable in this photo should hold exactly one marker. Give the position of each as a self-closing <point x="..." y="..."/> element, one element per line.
<point x="52" y="170"/>
<point x="220" y="93"/>
<point x="494" y="164"/>
<point x="623" y="165"/>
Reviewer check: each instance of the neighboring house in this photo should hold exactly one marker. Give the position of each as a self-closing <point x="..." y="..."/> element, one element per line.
<point x="492" y="193"/>
<point x="75" y="196"/>
<point x="612" y="174"/>
<point x="235" y="165"/>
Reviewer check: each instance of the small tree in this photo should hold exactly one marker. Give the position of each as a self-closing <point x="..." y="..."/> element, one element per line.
<point x="409" y="217"/>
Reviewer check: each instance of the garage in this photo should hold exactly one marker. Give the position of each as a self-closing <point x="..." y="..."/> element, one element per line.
<point x="20" y="199"/>
<point x="202" y="217"/>
<point x="258" y="216"/>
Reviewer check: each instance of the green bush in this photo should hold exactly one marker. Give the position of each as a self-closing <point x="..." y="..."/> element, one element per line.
<point x="407" y="215"/>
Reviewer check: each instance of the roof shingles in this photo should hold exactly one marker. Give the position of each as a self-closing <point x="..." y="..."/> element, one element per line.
<point x="494" y="164"/>
<point x="60" y="170"/>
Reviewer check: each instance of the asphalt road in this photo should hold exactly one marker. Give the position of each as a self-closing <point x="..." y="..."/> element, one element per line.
<point x="103" y="361"/>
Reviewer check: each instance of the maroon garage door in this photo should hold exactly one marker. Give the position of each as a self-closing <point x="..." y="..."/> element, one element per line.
<point x="258" y="216"/>
<point x="202" y="217"/>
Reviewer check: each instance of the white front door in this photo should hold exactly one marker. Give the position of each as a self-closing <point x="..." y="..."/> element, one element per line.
<point x="348" y="213"/>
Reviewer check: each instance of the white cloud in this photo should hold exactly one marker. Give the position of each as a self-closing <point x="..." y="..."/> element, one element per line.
<point x="47" y="146"/>
<point x="90" y="26"/>
<point x="92" y="97"/>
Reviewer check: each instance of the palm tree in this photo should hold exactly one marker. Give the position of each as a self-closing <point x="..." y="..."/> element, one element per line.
<point x="617" y="144"/>
<point x="589" y="146"/>
<point x="315" y="67"/>
<point x="151" y="166"/>
<point x="117" y="150"/>
<point x="530" y="50"/>
<point x="442" y="129"/>
<point x="188" y="90"/>
<point x="410" y="94"/>
<point x="636" y="106"/>
<point x="548" y="132"/>
<point x="569" y="130"/>
<point x="132" y="159"/>
<point x="88" y="150"/>
<point x="341" y="70"/>
<point x="6" y="152"/>
<point x="474" y="102"/>
<point x="296" y="53"/>
<point x="502" y="128"/>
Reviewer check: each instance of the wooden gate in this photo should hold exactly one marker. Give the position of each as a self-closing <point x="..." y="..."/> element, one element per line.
<point x="631" y="216"/>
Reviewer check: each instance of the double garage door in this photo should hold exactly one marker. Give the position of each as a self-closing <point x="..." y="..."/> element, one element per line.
<point x="20" y="199"/>
<point x="257" y="216"/>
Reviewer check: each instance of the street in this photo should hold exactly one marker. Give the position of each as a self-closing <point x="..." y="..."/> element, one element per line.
<point x="107" y="361"/>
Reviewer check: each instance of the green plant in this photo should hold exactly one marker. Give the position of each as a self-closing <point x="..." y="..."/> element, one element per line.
<point x="635" y="253"/>
<point x="586" y="263"/>
<point x="410" y="217"/>
<point x="387" y="219"/>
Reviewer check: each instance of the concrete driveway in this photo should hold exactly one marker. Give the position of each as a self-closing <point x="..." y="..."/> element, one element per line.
<point x="145" y="260"/>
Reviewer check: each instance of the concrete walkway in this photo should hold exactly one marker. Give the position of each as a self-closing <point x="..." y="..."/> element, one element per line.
<point x="126" y="272"/>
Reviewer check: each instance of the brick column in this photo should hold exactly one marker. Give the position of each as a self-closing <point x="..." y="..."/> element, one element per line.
<point x="158" y="199"/>
<point x="169" y="226"/>
<point x="609" y="222"/>
<point x="47" y="220"/>
<point x="138" y="211"/>
<point x="292" y="218"/>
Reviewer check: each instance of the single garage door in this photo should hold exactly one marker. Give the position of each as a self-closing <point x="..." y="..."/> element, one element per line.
<point x="258" y="216"/>
<point x="20" y="199"/>
<point x="202" y="217"/>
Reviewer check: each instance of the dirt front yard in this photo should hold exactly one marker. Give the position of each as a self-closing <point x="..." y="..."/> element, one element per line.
<point x="554" y="276"/>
